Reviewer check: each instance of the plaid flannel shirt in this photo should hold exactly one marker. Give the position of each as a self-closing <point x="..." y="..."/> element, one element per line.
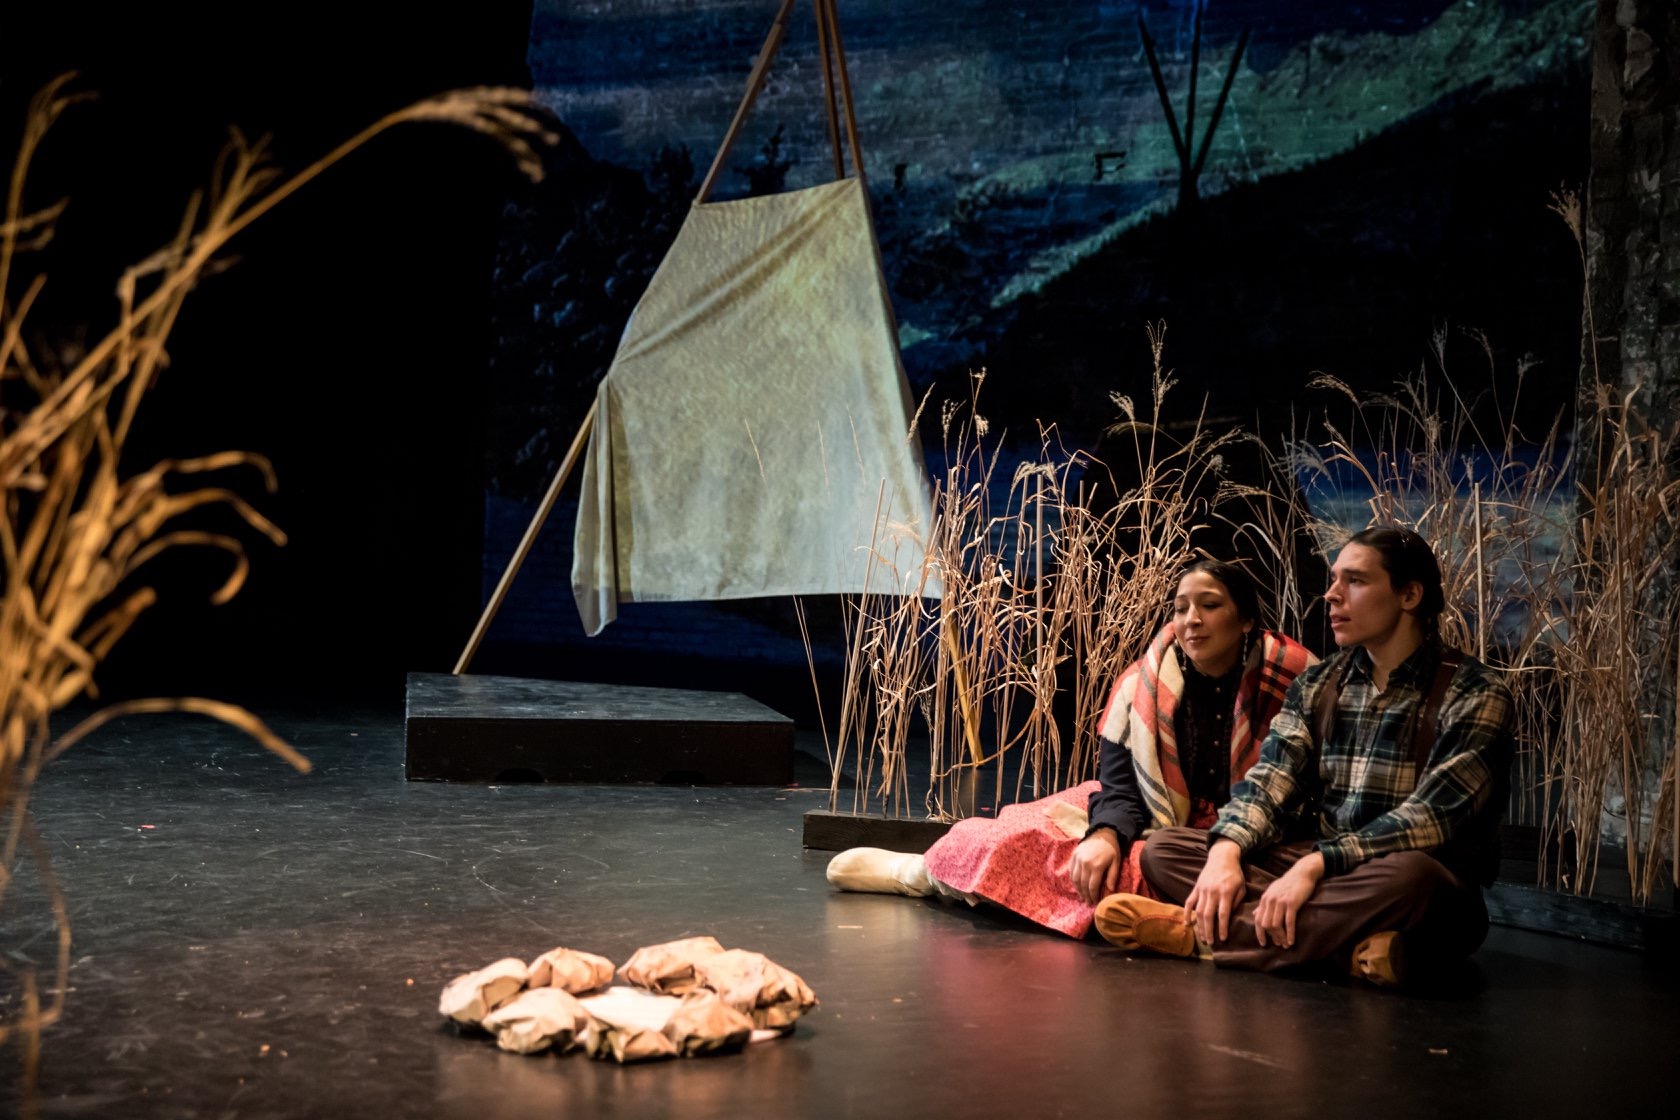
<point x="1366" y="794"/>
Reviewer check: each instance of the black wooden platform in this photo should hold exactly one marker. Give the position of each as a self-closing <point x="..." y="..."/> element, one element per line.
<point x="828" y="831"/>
<point x="506" y="729"/>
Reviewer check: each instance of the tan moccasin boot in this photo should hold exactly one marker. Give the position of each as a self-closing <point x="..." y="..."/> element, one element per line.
<point x="1380" y="959"/>
<point x="1134" y="922"/>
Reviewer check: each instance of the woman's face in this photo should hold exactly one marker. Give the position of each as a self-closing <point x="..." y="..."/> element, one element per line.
<point x="1209" y="629"/>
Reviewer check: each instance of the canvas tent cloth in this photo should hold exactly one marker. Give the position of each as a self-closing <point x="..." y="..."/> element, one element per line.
<point x="754" y="410"/>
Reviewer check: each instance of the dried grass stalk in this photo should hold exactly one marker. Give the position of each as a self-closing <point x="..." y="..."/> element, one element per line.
<point x="1557" y="578"/>
<point x="77" y="537"/>
<point x="1039" y="588"/>
<point x="1557" y="582"/>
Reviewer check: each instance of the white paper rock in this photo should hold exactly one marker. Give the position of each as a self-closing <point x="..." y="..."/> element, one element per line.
<point x="753" y="984"/>
<point x="705" y="1024"/>
<point x="631" y="1009"/>
<point x="570" y="970"/>
<point x="536" y="1019"/>
<point x="668" y="968"/>
<point x="469" y="998"/>
<point x="626" y="1046"/>
<point x="628" y="1025"/>
<point x="631" y="1025"/>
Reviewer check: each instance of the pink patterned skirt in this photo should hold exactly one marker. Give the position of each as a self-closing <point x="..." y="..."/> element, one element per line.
<point x="1019" y="860"/>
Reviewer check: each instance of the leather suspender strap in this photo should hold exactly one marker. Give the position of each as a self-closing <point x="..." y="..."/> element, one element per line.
<point x="1324" y="712"/>
<point x="1425" y="727"/>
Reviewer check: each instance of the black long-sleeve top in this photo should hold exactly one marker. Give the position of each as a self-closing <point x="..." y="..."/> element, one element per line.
<point x="1202" y="729"/>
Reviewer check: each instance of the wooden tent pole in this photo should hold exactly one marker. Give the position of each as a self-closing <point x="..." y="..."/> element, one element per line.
<point x="531" y="531"/>
<point x="755" y="82"/>
<point x="845" y="89"/>
<point x="828" y="89"/>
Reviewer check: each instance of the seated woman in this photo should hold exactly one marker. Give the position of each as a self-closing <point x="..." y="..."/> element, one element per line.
<point x="1182" y="725"/>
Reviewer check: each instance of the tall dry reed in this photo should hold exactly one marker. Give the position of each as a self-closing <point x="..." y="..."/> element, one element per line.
<point x="1614" y="660"/>
<point x="1563" y="580"/>
<point x="1554" y="579"/>
<point x="1554" y="576"/>
<point x="1033" y="596"/>
<point x="78" y="535"/>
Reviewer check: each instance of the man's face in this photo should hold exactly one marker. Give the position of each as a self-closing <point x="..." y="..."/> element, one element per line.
<point x="1365" y="608"/>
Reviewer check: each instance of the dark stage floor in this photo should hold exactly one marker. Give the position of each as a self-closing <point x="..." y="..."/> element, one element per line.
<point x="253" y="943"/>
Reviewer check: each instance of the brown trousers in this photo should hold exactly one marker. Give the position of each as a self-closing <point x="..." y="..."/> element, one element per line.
<point x="1441" y="916"/>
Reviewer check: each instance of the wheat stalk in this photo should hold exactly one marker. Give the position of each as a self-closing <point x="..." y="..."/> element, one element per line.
<point x="1572" y="611"/>
<point x="78" y="537"/>
<point x="1033" y="578"/>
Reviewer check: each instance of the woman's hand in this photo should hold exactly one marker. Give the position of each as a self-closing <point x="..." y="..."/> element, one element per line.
<point x="1274" y="915"/>
<point x="1218" y="891"/>
<point x="1095" y="867"/>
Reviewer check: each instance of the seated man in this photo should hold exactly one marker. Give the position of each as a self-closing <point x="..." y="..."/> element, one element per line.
<point x="1369" y="823"/>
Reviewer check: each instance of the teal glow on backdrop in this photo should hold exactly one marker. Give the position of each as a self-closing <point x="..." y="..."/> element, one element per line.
<point x="1379" y="171"/>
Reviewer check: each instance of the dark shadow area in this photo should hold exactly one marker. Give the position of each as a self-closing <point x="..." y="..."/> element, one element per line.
<point x="347" y="342"/>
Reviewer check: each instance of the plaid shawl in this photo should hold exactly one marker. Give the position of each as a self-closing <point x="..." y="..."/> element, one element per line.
<point x="1140" y="714"/>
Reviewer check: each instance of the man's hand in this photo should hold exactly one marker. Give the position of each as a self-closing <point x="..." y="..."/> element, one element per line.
<point x="1095" y="867"/>
<point x="1218" y="891"/>
<point x="1274" y="916"/>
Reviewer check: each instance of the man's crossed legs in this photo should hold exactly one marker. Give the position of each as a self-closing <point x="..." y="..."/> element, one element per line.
<point x="1405" y="893"/>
